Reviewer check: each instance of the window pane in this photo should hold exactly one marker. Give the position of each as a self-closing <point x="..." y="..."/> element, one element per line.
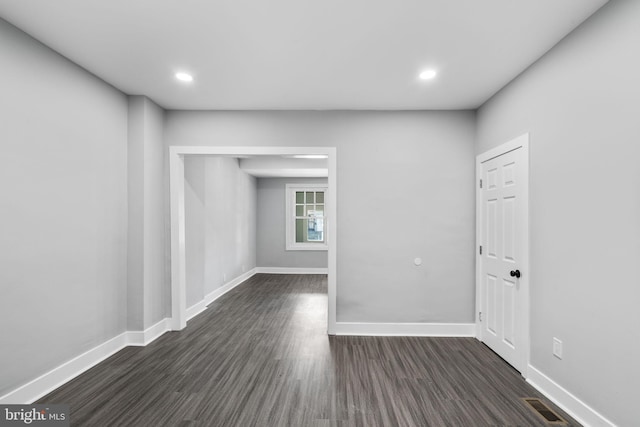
<point x="310" y="230"/>
<point x="310" y="198"/>
<point x="301" y="228"/>
<point x="315" y="230"/>
<point x="319" y="210"/>
<point x="311" y="210"/>
<point x="299" y="196"/>
<point x="320" y="197"/>
<point x="299" y="210"/>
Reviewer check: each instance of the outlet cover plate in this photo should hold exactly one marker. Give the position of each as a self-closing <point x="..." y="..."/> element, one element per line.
<point x="557" y="348"/>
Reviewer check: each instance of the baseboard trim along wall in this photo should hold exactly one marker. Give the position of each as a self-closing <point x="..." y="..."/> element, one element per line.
<point x="407" y="329"/>
<point x="142" y="338"/>
<point x="217" y="293"/>
<point x="196" y="309"/>
<point x="575" y="407"/>
<point x="288" y="270"/>
<point x="64" y="373"/>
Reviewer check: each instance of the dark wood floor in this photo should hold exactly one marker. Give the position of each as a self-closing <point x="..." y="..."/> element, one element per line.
<point x="260" y="356"/>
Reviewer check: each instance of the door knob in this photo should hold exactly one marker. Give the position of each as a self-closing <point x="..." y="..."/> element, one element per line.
<point x="515" y="273"/>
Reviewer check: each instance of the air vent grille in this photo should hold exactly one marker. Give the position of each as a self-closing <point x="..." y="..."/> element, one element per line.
<point x="544" y="412"/>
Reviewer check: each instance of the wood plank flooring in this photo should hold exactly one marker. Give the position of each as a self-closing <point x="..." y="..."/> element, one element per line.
<point x="260" y="356"/>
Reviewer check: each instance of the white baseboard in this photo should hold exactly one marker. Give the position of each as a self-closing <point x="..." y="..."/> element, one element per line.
<point x="53" y="379"/>
<point x="46" y="383"/>
<point x="212" y="296"/>
<point x="195" y="309"/>
<point x="407" y="329"/>
<point x="290" y="270"/>
<point x="569" y="403"/>
<point x="142" y="338"/>
<point x="201" y="306"/>
<point x="64" y="373"/>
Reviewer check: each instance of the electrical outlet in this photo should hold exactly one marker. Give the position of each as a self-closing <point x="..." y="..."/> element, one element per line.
<point x="224" y="278"/>
<point x="557" y="348"/>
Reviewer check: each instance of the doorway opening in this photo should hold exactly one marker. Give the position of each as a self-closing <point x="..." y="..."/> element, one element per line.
<point x="177" y="202"/>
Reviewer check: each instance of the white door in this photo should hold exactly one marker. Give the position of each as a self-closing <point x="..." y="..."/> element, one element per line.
<point x="503" y="238"/>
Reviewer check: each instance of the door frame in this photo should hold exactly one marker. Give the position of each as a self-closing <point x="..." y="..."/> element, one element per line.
<point x="177" y="203"/>
<point x="521" y="142"/>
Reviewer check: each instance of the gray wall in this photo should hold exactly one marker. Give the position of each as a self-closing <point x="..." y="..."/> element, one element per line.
<point x="157" y="295"/>
<point x="63" y="210"/>
<point x="220" y="221"/>
<point x="405" y="190"/>
<point x="194" y="200"/>
<point x="581" y="105"/>
<point x="147" y="287"/>
<point x="271" y="238"/>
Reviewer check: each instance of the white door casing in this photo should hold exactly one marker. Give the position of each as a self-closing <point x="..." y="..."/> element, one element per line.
<point x="503" y="273"/>
<point x="178" y="251"/>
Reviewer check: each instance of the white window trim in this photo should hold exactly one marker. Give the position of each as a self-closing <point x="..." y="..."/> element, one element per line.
<point x="290" y="215"/>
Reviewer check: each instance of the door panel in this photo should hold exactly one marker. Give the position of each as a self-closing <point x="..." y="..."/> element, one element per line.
<point x="492" y="228"/>
<point x="509" y="310"/>
<point x="509" y="234"/>
<point x="491" y="304"/>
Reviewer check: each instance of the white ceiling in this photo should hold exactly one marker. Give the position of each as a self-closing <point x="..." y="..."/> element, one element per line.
<point x="301" y="54"/>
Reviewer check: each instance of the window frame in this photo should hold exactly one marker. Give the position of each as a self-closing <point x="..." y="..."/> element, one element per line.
<point x="290" y="217"/>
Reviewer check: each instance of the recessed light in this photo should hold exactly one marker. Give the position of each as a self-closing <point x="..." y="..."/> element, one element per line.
<point x="428" y="74"/>
<point x="184" y="77"/>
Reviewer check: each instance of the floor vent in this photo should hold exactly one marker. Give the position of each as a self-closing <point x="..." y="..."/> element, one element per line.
<point x="546" y="413"/>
